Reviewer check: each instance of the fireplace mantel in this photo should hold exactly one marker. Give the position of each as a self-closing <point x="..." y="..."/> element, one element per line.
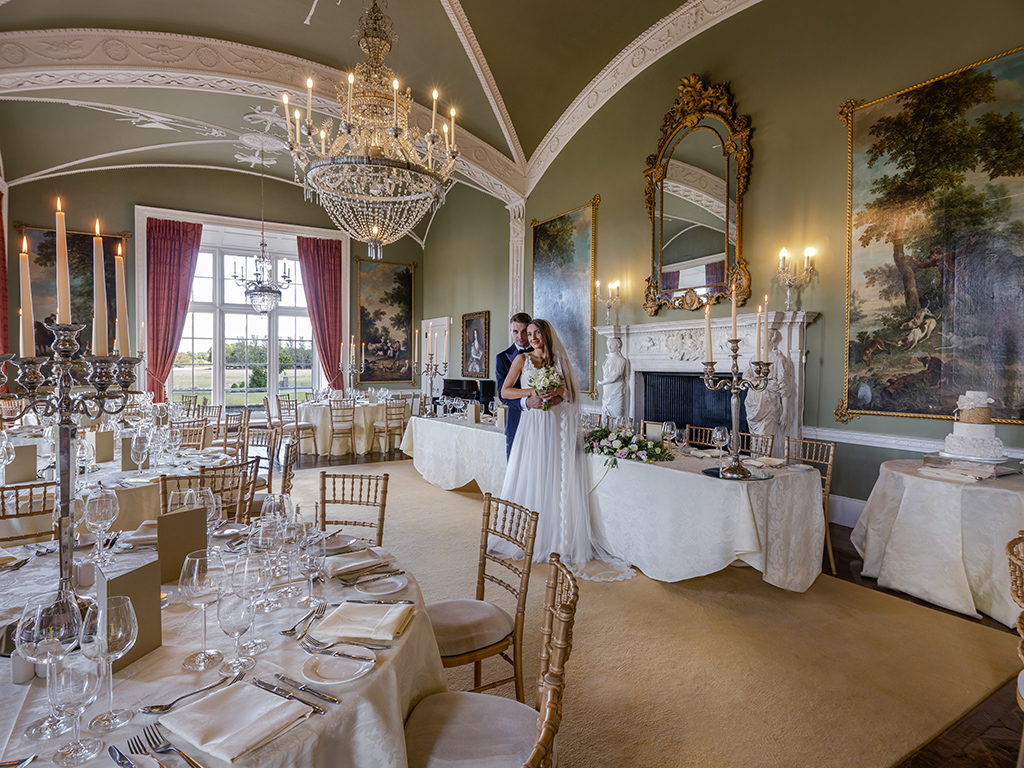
<point x="678" y="347"/>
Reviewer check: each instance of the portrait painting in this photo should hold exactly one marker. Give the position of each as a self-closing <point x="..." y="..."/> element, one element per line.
<point x="936" y="245"/>
<point x="476" y="328"/>
<point x="385" y="295"/>
<point x="564" y="250"/>
<point x="42" y="256"/>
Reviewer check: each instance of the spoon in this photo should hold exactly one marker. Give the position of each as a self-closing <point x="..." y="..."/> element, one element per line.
<point x="156" y="709"/>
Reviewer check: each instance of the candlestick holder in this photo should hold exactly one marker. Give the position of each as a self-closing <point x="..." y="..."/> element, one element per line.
<point x="796" y="279"/>
<point x="349" y="371"/>
<point x="735" y="469"/>
<point x="428" y="370"/>
<point x="111" y="377"/>
<point x="610" y="303"/>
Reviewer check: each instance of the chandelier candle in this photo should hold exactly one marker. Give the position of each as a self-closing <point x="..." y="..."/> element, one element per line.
<point x="28" y="333"/>
<point x="99" y="297"/>
<point x="121" y="329"/>
<point x="764" y="355"/>
<point x="63" y="274"/>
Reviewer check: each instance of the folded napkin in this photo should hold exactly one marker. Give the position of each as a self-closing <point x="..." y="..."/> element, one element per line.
<point x="700" y="454"/>
<point x="339" y="565"/>
<point x="141" y="480"/>
<point x="764" y="461"/>
<point x="6" y="559"/>
<point x="144" y="534"/>
<point x="234" y="720"/>
<point x="364" y="621"/>
<point x="964" y="475"/>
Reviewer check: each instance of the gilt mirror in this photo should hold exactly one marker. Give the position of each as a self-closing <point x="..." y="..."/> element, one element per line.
<point x="694" y="198"/>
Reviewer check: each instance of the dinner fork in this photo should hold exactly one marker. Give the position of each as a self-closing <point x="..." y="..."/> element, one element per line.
<point x="136" y="747"/>
<point x="317" y="615"/>
<point x="295" y="628"/>
<point x="159" y="743"/>
<point x="319" y="645"/>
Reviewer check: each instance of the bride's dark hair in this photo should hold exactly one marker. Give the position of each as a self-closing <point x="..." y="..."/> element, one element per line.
<point x="554" y="351"/>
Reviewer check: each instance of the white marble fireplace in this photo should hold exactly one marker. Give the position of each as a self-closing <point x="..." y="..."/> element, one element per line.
<point x="678" y="347"/>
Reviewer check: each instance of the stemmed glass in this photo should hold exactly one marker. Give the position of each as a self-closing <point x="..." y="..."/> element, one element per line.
<point x="668" y="432"/>
<point x="251" y="576"/>
<point x="235" y="614"/>
<point x="6" y="449"/>
<point x="720" y="437"/>
<point x="265" y="540"/>
<point x="173" y="445"/>
<point x="312" y="552"/>
<point x="292" y="535"/>
<point x="140" y="449"/>
<point x="49" y="627"/>
<point x="201" y="577"/>
<point x="101" y="509"/>
<point x="206" y="498"/>
<point x="183" y="498"/>
<point x="108" y="633"/>
<point x="71" y="687"/>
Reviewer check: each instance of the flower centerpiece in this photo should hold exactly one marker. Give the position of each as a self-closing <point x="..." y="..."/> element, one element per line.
<point x="624" y="444"/>
<point x="545" y="381"/>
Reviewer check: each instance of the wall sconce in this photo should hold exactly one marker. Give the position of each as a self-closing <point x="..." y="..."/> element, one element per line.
<point x="611" y="301"/>
<point x="791" y="275"/>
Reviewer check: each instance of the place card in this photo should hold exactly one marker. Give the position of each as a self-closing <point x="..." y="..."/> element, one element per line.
<point x="103" y="442"/>
<point x="23" y="468"/>
<point x="500" y="423"/>
<point x="473" y="413"/>
<point x="208" y="436"/>
<point x="127" y="465"/>
<point x="652" y="431"/>
<point x="178" y="533"/>
<point x="142" y="584"/>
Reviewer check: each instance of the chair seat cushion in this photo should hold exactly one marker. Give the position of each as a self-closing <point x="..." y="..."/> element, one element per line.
<point x="300" y="425"/>
<point x="470" y="729"/>
<point x="342" y="427"/>
<point x="261" y="481"/>
<point x="461" y="626"/>
<point x="388" y="424"/>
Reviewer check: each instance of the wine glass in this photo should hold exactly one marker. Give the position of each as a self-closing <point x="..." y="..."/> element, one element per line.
<point x="682" y="438"/>
<point x="71" y="686"/>
<point x="206" y="498"/>
<point x="48" y="628"/>
<point x="251" y="577"/>
<point x="6" y="449"/>
<point x="292" y="534"/>
<point x="719" y="438"/>
<point x="183" y="498"/>
<point x="108" y="633"/>
<point x="235" y="614"/>
<point x="101" y="509"/>
<point x="668" y="432"/>
<point x="265" y="539"/>
<point x="174" y="445"/>
<point x="312" y="552"/>
<point x="201" y="577"/>
<point x="140" y="449"/>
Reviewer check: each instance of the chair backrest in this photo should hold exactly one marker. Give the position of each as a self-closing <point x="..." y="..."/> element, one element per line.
<point x="699" y="436"/>
<point x="27" y="509"/>
<point x="817" y="453"/>
<point x="233" y="423"/>
<point x="344" y="493"/>
<point x="618" y="422"/>
<point x="756" y="445"/>
<point x="192" y="437"/>
<point x="186" y="423"/>
<point x="1015" y="556"/>
<point x="589" y="421"/>
<point x="169" y="483"/>
<point x="343" y="414"/>
<point x="291" y="456"/>
<point x="394" y="411"/>
<point x="288" y="409"/>
<point x="269" y="439"/>
<point x="10" y="410"/>
<point x="273" y="418"/>
<point x="559" y="615"/>
<point x="234" y="484"/>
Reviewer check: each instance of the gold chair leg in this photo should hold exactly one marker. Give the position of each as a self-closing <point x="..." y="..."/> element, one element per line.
<point x="828" y="546"/>
<point x="478" y="669"/>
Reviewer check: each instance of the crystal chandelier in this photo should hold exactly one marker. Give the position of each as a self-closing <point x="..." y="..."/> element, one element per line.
<point x="375" y="177"/>
<point x="262" y="292"/>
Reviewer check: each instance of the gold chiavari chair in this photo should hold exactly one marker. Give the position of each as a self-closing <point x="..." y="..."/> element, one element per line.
<point x="291" y="457"/>
<point x="183" y="423"/>
<point x="393" y="425"/>
<point x="192" y="437"/>
<point x="618" y="422"/>
<point x="171" y="483"/>
<point x="468" y="631"/>
<point x="235" y="485"/>
<point x="288" y="420"/>
<point x="343" y="496"/>
<point x="464" y="728"/>
<point x="267" y="439"/>
<point x="188" y="402"/>
<point x="232" y="437"/>
<point x="343" y="423"/>
<point x="699" y="437"/>
<point x="589" y="421"/>
<point x="821" y="455"/>
<point x="10" y="410"/>
<point x="27" y="511"/>
<point x="756" y="445"/>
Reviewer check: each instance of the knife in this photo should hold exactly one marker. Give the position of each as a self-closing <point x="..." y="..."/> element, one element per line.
<point x="305" y="688"/>
<point x="18" y="763"/>
<point x="369" y="579"/>
<point x="286" y="694"/>
<point x="382" y="602"/>
<point x="119" y="757"/>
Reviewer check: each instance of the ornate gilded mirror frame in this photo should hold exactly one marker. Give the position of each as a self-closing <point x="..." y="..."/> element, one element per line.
<point x="698" y="101"/>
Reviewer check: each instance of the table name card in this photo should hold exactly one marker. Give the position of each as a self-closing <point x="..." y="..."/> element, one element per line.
<point x="103" y="442"/>
<point x="127" y="465"/>
<point x="473" y="413"/>
<point x="142" y="584"/>
<point x="23" y="468"/>
<point x="178" y="533"/>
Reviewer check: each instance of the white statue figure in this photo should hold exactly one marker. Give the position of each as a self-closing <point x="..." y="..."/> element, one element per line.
<point x="767" y="410"/>
<point x="613" y="396"/>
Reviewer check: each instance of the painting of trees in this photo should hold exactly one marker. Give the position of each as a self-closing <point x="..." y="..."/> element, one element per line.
<point x="937" y="244"/>
<point x="385" y="321"/>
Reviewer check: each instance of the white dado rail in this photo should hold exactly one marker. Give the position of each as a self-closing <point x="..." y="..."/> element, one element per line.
<point x="678" y="347"/>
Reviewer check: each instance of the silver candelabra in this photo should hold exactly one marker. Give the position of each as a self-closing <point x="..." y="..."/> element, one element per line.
<point x="735" y="469"/>
<point x="428" y="370"/>
<point x="349" y="371"/>
<point x="112" y="378"/>
<point x="795" y="279"/>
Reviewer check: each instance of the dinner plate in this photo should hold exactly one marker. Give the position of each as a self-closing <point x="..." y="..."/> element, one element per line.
<point x="330" y="670"/>
<point x="386" y="586"/>
<point x="229" y="530"/>
<point x="335" y="544"/>
<point x="799" y="467"/>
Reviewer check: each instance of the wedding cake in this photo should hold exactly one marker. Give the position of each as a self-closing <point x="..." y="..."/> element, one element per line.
<point x="974" y="434"/>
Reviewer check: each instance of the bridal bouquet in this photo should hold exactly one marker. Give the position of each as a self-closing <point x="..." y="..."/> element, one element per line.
<point x="545" y="380"/>
<point x="624" y="444"/>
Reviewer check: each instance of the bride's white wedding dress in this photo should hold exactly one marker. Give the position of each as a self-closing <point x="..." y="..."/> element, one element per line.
<point x="548" y="475"/>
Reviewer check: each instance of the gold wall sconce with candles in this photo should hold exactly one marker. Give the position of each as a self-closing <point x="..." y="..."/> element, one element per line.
<point x="792" y="275"/>
<point x="611" y="301"/>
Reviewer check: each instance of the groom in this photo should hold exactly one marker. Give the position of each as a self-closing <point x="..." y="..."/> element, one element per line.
<point x="502" y="363"/>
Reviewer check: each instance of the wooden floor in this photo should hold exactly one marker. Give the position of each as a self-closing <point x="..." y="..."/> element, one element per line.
<point x="986" y="737"/>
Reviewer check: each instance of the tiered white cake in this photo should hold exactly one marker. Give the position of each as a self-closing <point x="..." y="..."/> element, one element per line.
<point x="974" y="434"/>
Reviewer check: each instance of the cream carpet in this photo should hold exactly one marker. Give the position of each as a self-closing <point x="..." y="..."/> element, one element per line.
<point x="723" y="670"/>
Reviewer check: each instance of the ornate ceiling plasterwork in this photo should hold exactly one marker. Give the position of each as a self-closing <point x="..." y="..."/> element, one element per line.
<point x="697" y="186"/>
<point x="683" y="24"/>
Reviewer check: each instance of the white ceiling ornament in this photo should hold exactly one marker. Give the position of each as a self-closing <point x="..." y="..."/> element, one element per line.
<point x="156" y="120"/>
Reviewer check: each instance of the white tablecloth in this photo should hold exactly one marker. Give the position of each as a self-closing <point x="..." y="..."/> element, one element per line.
<point x="319" y="415"/>
<point x="449" y="453"/>
<point x="674" y="523"/>
<point x="942" y="540"/>
<point x="366" y="729"/>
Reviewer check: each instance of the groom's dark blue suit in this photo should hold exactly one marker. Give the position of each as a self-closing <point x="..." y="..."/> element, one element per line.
<point x="502" y="363"/>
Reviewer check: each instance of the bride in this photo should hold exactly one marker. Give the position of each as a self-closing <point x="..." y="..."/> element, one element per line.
<point x="546" y="470"/>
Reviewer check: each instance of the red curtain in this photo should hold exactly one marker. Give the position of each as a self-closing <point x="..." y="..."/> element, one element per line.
<point x="321" y="262"/>
<point x="172" y="248"/>
<point x="4" y="330"/>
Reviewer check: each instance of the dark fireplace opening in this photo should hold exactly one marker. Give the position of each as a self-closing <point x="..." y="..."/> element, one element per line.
<point x="684" y="399"/>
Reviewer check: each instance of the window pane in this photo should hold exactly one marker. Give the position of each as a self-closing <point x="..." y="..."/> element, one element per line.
<point x="294" y="295"/>
<point x="295" y="354"/>
<point x="245" y="358"/>
<point x="192" y="370"/>
<point x="204" y="265"/>
<point x="202" y="290"/>
<point x="240" y="266"/>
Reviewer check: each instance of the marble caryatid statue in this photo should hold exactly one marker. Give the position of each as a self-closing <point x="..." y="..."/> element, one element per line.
<point x="613" y="381"/>
<point x="767" y="410"/>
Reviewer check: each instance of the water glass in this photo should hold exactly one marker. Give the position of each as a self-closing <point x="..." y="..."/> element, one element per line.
<point x="101" y="509"/>
<point x="668" y="433"/>
<point x="202" y="575"/>
<point x="72" y="684"/>
<point x="235" y="614"/>
<point x="108" y="632"/>
<point x="312" y="552"/>
<point x="183" y="498"/>
<point x="251" y="576"/>
<point x="140" y="448"/>
<point x="265" y="539"/>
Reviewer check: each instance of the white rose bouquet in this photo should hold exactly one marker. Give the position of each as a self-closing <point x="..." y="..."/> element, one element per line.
<point x="546" y="380"/>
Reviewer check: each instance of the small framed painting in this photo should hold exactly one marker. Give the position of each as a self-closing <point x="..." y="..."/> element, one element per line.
<point x="476" y="328"/>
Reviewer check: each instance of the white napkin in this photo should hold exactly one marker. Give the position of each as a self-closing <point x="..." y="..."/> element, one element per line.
<point x="339" y="565"/>
<point x="144" y="534"/>
<point x="764" y="461"/>
<point x="134" y="480"/>
<point x="235" y="720"/>
<point x="700" y="454"/>
<point x="5" y="558"/>
<point x="962" y="474"/>
<point x="364" y="621"/>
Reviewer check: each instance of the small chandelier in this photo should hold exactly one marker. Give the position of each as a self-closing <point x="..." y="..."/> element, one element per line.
<point x="375" y="177"/>
<point x="262" y="292"/>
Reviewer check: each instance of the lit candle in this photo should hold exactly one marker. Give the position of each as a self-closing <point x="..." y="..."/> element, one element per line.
<point x="117" y="336"/>
<point x="757" y="347"/>
<point x="445" y="129"/>
<point x="453" y="127"/>
<point x="323" y="142"/>
<point x="808" y="258"/>
<point x="298" y="128"/>
<point x="433" y="114"/>
<point x="63" y="273"/>
<point x="609" y="290"/>
<point x="309" y="99"/>
<point x="121" y="322"/>
<point x="616" y="289"/>
<point x="351" y="79"/>
<point x="99" y="297"/>
<point x="734" y="334"/>
<point x="287" y="122"/>
<point x="362" y="352"/>
<point x="707" y="333"/>
<point x="597" y="288"/>
<point x="446" y="345"/>
<point x="430" y="334"/>
<point x="394" y="86"/>
<point x="764" y="355"/>
<point x="416" y="347"/>
<point x="782" y="259"/>
<point x="142" y="340"/>
<point x="28" y="335"/>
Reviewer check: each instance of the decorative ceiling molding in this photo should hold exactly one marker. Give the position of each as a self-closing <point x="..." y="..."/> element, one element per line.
<point x="135" y="166"/>
<point x="697" y="186"/>
<point x="69" y="58"/>
<point x="683" y="24"/>
<point x="476" y="57"/>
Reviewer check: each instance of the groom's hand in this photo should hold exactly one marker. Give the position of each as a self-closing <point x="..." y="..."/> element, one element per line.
<point x="534" y="401"/>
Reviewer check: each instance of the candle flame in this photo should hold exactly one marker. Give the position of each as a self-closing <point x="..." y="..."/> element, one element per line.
<point x="759" y="308"/>
<point x="435" y="94"/>
<point x="394" y="84"/>
<point x="24" y="245"/>
<point x="58" y="203"/>
<point x="809" y="251"/>
<point x="97" y="226"/>
<point x="296" y="114"/>
<point x="118" y="249"/>
<point x="445" y="127"/>
<point x="453" y="112"/>
<point x="309" y="82"/>
<point x="351" y="78"/>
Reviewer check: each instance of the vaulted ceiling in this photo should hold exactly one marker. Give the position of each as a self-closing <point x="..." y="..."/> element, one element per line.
<point x="197" y="83"/>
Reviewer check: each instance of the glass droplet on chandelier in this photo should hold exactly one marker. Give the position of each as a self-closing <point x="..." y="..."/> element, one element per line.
<point x="375" y="249"/>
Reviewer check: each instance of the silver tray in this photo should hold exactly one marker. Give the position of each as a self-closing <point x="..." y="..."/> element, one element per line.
<point x="978" y="459"/>
<point x="755" y="474"/>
